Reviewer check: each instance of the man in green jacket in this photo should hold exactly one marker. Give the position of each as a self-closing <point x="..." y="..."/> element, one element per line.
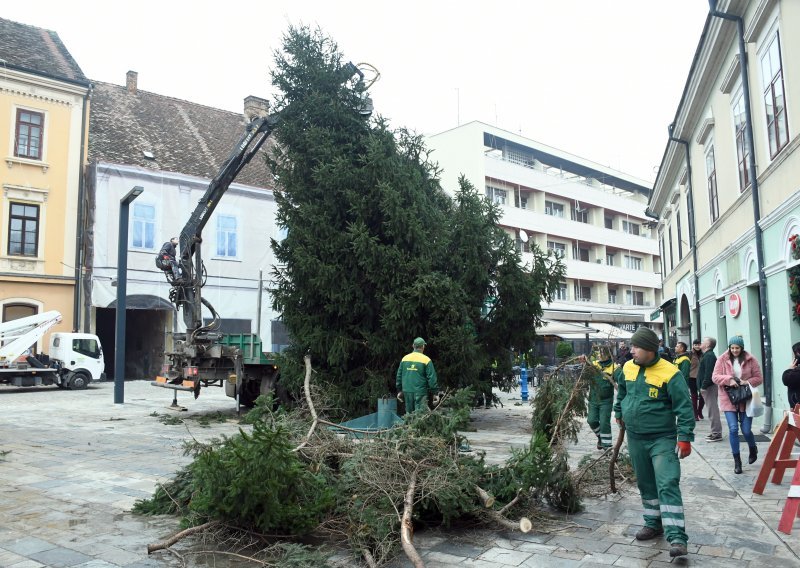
<point x="654" y="405"/>
<point x="682" y="360"/>
<point x="601" y="397"/>
<point x="416" y="377"/>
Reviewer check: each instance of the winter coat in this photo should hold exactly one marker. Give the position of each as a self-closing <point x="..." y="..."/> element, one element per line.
<point x="684" y="364"/>
<point x="695" y="363"/>
<point x="416" y="374"/>
<point x="601" y="389"/>
<point x="723" y="373"/>
<point x="654" y="401"/>
<point x="706" y="370"/>
<point x="791" y="378"/>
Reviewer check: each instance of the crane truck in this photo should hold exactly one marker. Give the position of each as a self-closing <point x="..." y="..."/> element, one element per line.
<point x="203" y="356"/>
<point x="74" y="360"/>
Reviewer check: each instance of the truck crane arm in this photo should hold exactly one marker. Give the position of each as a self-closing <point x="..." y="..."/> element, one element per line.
<point x="18" y="335"/>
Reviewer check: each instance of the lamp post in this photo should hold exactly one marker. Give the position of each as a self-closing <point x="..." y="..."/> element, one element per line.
<point x="122" y="289"/>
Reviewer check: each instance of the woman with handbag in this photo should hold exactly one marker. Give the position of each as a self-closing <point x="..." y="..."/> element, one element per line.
<point x="735" y="372"/>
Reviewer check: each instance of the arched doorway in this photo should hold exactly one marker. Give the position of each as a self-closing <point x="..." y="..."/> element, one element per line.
<point x="684" y="330"/>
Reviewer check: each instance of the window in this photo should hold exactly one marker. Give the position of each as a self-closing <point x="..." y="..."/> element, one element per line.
<point x="671" y="252"/>
<point x="496" y="195"/>
<point x="634" y="298"/>
<point x="28" y="141"/>
<point x="580" y="253"/>
<point x="680" y="239"/>
<point x="554" y="209"/>
<point x="630" y="228"/>
<point x="661" y="255"/>
<point x="144" y="226"/>
<point x="612" y="295"/>
<point x="610" y="259"/>
<point x="609" y="222"/>
<point x="579" y="215"/>
<point x="742" y="147"/>
<point x="561" y="293"/>
<point x="633" y="262"/>
<point x="560" y="249"/>
<point x="774" y="100"/>
<point x="522" y="246"/>
<point x="711" y="176"/>
<point x="226" y="236"/>
<point x="520" y="201"/>
<point x="88" y="347"/>
<point x="23" y="230"/>
<point x="582" y="293"/>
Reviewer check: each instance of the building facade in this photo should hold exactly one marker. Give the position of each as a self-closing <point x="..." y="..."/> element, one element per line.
<point x="726" y="195"/>
<point x="591" y="215"/>
<point x="43" y="116"/>
<point x="172" y="149"/>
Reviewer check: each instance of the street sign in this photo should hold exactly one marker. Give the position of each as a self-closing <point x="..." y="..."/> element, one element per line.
<point x="734" y="305"/>
<point x="655" y="314"/>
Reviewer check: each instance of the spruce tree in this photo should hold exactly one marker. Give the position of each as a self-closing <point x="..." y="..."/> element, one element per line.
<point x="376" y="252"/>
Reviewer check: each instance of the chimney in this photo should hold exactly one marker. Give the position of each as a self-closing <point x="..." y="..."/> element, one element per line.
<point x="255" y="107"/>
<point x="131" y="78"/>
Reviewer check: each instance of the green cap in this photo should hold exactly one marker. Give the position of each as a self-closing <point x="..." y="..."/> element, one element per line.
<point x="419" y="342"/>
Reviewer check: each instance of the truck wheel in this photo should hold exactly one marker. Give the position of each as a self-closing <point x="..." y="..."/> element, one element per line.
<point x="248" y="394"/>
<point x="78" y="380"/>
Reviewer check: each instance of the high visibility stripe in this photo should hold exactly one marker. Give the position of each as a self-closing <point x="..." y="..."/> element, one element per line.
<point x="652" y="512"/>
<point x="671" y="509"/>
<point x="650" y="502"/>
<point x="605" y="436"/>
<point x="673" y="522"/>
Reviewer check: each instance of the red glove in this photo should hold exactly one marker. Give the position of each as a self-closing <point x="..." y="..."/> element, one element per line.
<point x="683" y="449"/>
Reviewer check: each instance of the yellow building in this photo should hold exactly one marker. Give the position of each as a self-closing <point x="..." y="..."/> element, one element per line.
<point x="44" y="100"/>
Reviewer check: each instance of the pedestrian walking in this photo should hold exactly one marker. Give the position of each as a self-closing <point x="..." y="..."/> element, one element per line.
<point x="709" y="389"/>
<point x="601" y="397"/>
<point x="697" y="399"/>
<point x="654" y="405"/>
<point x="623" y="354"/>
<point x="416" y="378"/>
<point x="791" y="377"/>
<point x="733" y="368"/>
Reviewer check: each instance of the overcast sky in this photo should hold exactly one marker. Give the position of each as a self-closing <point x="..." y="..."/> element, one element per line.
<point x="600" y="79"/>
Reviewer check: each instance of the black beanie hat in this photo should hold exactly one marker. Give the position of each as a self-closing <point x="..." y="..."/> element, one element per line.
<point x="645" y="338"/>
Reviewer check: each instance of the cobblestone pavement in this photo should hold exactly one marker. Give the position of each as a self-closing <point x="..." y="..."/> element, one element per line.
<point x="76" y="462"/>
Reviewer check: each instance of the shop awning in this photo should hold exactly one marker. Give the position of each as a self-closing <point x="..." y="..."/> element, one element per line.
<point x="559" y="328"/>
<point x="601" y="332"/>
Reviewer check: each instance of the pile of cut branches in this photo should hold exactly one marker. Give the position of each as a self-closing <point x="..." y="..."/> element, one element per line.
<point x="292" y="476"/>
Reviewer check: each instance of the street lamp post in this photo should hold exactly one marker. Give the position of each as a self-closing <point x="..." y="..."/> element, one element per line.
<point x="122" y="289"/>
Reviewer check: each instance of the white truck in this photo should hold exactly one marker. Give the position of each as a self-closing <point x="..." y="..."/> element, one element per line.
<point x="74" y="360"/>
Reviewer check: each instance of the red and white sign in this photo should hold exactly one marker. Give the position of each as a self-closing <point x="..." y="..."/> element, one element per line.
<point x="734" y="305"/>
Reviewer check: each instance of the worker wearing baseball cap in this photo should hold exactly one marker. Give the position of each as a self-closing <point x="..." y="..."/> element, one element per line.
<point x="416" y="377"/>
<point x="654" y="405"/>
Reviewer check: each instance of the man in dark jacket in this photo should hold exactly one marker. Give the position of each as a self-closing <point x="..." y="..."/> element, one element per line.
<point x="708" y="388"/>
<point x="697" y="399"/>
<point x="168" y="255"/>
<point x="791" y="377"/>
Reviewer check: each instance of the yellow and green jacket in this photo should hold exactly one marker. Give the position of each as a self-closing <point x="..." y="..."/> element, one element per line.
<point x="684" y="364"/>
<point x="601" y="389"/>
<point x="654" y="401"/>
<point x="416" y="374"/>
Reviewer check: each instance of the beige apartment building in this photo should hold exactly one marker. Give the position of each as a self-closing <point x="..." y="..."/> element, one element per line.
<point x="592" y="215"/>
<point x="726" y="195"/>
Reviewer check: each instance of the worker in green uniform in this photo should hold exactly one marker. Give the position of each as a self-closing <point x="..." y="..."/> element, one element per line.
<point x="416" y="377"/>
<point x="601" y="397"/>
<point x="654" y="405"/>
<point x="682" y="360"/>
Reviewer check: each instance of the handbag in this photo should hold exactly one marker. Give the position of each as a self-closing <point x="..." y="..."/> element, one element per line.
<point x="739" y="394"/>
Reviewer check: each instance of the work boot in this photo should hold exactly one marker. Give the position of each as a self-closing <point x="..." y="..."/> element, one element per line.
<point x="600" y="445"/>
<point x="753" y="454"/>
<point x="737" y="464"/>
<point x="677" y="549"/>
<point x="646" y="533"/>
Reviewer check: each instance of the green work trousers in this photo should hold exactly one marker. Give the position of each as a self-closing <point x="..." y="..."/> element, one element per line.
<point x="600" y="420"/>
<point x="415" y="401"/>
<point x="658" y="475"/>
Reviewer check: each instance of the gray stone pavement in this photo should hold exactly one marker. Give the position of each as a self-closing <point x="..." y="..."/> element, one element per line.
<point x="76" y="463"/>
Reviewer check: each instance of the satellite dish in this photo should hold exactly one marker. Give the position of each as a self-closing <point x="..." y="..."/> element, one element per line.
<point x="523" y="236"/>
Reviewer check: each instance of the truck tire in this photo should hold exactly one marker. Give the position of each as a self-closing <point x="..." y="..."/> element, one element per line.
<point x="78" y="380"/>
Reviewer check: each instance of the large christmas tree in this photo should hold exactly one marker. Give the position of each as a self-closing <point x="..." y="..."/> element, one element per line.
<point x="377" y="253"/>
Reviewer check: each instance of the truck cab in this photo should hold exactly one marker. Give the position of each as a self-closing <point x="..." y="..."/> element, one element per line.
<point x="81" y="354"/>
